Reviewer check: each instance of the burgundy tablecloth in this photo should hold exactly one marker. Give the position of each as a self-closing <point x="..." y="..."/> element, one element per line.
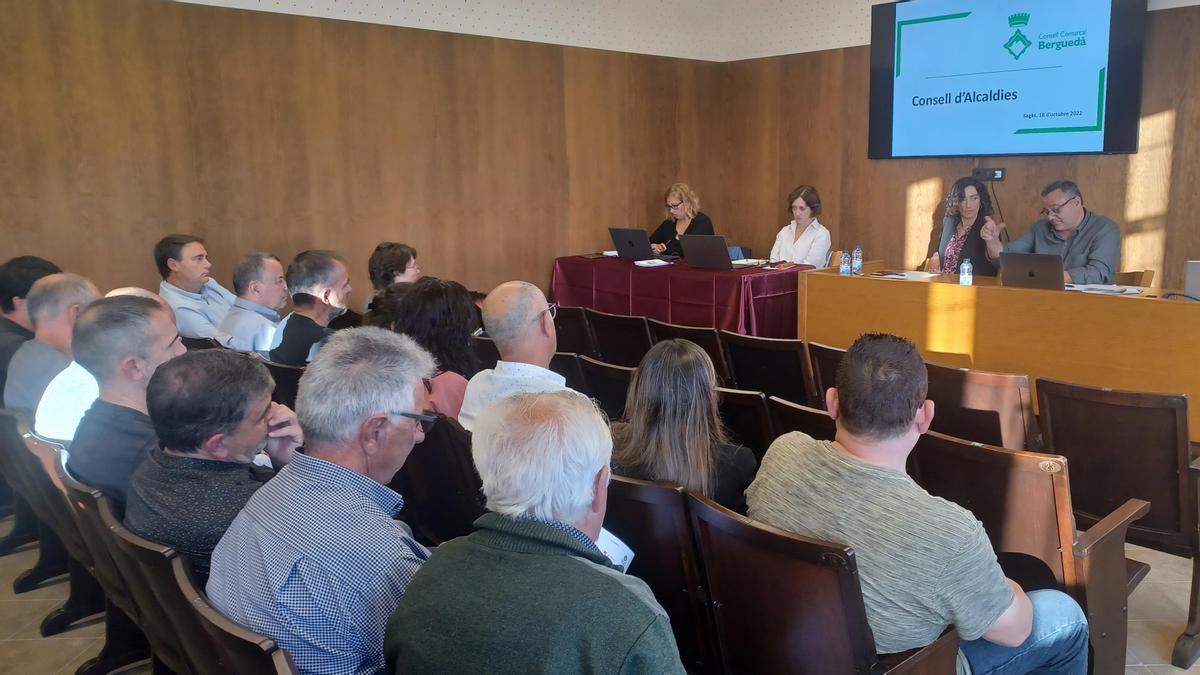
<point x="751" y="301"/>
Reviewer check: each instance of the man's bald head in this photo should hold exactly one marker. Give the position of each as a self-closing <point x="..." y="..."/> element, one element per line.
<point x="514" y="315"/>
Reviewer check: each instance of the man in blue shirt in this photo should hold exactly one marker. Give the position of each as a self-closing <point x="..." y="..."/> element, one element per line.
<point x="200" y="303"/>
<point x="261" y="289"/>
<point x="316" y="559"/>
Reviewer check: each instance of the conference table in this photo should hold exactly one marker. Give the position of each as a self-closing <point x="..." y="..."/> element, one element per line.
<point x="752" y="301"/>
<point x="1139" y="343"/>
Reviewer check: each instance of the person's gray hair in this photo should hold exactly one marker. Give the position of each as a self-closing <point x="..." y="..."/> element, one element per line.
<point x="52" y="295"/>
<point x="358" y="373"/>
<point x="250" y="269"/>
<point x="508" y="328"/>
<point x="112" y="329"/>
<point x="312" y="271"/>
<point x="1069" y="189"/>
<point x="538" y="454"/>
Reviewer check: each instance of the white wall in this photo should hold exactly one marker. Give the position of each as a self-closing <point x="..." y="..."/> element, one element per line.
<point x="708" y="30"/>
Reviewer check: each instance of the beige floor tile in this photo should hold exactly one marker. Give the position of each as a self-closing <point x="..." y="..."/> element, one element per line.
<point x="1151" y="642"/>
<point x="1160" y="601"/>
<point x="91" y="627"/>
<point x="142" y="668"/>
<point x="14" y="564"/>
<point x="23" y="616"/>
<point x="23" y="657"/>
<point x="1163" y="566"/>
<point x="1137" y="670"/>
<point x="1172" y="670"/>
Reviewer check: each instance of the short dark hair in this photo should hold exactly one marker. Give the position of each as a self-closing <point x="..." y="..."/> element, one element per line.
<point x="170" y="247"/>
<point x="387" y="260"/>
<point x="440" y="315"/>
<point x="1069" y="189"/>
<point x="17" y="277"/>
<point x="881" y="383"/>
<point x="111" y="329"/>
<point x="202" y="393"/>
<point x="249" y="270"/>
<point x="809" y="193"/>
<point x="309" y="271"/>
<point x="958" y="192"/>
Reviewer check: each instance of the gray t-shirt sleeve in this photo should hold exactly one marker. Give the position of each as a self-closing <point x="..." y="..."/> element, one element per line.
<point x="1024" y="243"/>
<point x="974" y="591"/>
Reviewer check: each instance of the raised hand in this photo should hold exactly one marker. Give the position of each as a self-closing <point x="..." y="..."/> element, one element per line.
<point x="991" y="229"/>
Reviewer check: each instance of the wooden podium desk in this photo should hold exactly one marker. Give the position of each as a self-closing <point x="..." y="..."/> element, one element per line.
<point x="1138" y="343"/>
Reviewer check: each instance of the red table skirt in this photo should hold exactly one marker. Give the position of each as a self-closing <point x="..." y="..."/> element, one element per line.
<point x="751" y="301"/>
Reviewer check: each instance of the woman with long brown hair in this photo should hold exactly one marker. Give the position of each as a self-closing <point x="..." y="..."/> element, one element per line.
<point x="674" y="430"/>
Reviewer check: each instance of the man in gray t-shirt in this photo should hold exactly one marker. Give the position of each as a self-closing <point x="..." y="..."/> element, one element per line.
<point x="924" y="563"/>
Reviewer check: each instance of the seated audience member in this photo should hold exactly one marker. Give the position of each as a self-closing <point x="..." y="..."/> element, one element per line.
<point x="1089" y="243"/>
<point x="924" y="563"/>
<point x="968" y="211"/>
<point x="200" y="303"/>
<point x="262" y="291"/>
<point x="54" y="303"/>
<point x="391" y="263"/>
<point x="517" y="316"/>
<point x="212" y="413"/>
<point x="74" y="390"/>
<point x="316" y="559"/>
<point x="804" y="241"/>
<point x="683" y="217"/>
<point x="674" y="432"/>
<point x="320" y="287"/>
<point x="16" y="278"/>
<point x="484" y="603"/>
<point x="440" y="316"/>
<point x="121" y="341"/>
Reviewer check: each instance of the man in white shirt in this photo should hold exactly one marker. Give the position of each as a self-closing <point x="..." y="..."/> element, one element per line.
<point x="200" y="303"/>
<point x="517" y="316"/>
<point x="262" y="290"/>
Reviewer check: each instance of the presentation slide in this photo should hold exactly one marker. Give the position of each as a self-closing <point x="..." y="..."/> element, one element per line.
<point x="989" y="77"/>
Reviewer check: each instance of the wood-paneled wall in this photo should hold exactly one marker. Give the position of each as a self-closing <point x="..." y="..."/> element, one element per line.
<point x="123" y="120"/>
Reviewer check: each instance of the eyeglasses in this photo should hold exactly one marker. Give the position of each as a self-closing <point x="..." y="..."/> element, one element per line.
<point x="1053" y="210"/>
<point x="427" y="422"/>
<point x="551" y="307"/>
<point x="674" y="206"/>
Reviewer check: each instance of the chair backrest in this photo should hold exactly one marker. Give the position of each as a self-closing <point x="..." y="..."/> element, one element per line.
<point x="773" y="366"/>
<point x="485" y="350"/>
<point x="975" y="405"/>
<point x="441" y="489"/>
<point x="621" y="340"/>
<point x="287" y="382"/>
<point x="237" y="648"/>
<point x="708" y="339"/>
<point x="154" y="618"/>
<point x="574" y="334"/>
<point x="567" y="365"/>
<point x="739" y="252"/>
<point x="1135" y="278"/>
<point x="194" y="344"/>
<point x="825" y="362"/>
<point x="51" y="504"/>
<point x="84" y="502"/>
<point x="747" y="419"/>
<point x="781" y="603"/>
<point x="834" y="259"/>
<point x="651" y="518"/>
<point x="608" y="384"/>
<point x="787" y="417"/>
<point x="1124" y="445"/>
<point x="14" y="458"/>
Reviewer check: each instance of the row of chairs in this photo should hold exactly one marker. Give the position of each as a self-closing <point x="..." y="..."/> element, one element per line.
<point x="153" y="607"/>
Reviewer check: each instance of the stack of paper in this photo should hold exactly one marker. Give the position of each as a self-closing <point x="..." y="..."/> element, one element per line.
<point x="653" y="262"/>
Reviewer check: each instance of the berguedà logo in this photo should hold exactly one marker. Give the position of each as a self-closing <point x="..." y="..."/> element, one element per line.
<point x="1018" y="43"/>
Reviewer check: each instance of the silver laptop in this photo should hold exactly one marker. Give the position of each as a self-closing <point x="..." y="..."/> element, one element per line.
<point x="1191" y="283"/>
<point x="1031" y="270"/>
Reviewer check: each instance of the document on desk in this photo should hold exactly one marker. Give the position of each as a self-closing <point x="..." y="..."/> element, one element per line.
<point x="653" y="262"/>
<point x="910" y="276"/>
<point x="1103" y="289"/>
<point x="610" y="254"/>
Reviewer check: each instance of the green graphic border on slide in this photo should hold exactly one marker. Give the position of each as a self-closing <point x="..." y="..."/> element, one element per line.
<point x="910" y="22"/>
<point x="1099" y="126"/>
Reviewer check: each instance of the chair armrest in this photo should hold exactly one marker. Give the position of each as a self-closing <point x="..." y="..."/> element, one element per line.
<point x="1111" y="526"/>
<point x="932" y="659"/>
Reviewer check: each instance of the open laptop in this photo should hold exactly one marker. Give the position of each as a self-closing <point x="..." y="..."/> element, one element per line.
<point x="634" y="244"/>
<point x="1191" y="283"/>
<point x="708" y="251"/>
<point x="1031" y="270"/>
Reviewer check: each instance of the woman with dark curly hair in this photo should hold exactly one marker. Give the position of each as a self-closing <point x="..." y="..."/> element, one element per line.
<point x="391" y="263"/>
<point x="968" y="207"/>
<point x="440" y="315"/>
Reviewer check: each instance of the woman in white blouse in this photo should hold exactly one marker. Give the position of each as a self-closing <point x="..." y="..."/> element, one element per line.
<point x="803" y="241"/>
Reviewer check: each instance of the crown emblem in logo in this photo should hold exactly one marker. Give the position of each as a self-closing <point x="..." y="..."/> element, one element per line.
<point x="1017" y="44"/>
<point x="1019" y="20"/>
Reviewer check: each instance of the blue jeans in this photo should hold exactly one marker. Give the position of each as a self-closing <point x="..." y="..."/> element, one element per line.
<point x="1057" y="644"/>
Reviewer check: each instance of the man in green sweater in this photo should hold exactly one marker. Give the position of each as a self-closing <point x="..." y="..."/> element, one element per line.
<point x="529" y="591"/>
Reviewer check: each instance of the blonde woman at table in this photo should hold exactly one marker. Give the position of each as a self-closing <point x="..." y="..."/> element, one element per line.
<point x="804" y="241"/>
<point x="683" y="217"/>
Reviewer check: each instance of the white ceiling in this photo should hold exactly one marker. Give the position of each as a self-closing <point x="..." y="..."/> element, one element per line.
<point x="709" y="30"/>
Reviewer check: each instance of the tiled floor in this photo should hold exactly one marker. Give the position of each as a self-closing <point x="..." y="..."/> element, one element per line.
<point x="1157" y="612"/>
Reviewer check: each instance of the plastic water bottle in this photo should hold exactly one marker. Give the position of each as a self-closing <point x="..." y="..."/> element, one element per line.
<point x="966" y="273"/>
<point x="856" y="262"/>
<point x="844" y="267"/>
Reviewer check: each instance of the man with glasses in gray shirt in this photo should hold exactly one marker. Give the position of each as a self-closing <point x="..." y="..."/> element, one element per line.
<point x="1089" y="243"/>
